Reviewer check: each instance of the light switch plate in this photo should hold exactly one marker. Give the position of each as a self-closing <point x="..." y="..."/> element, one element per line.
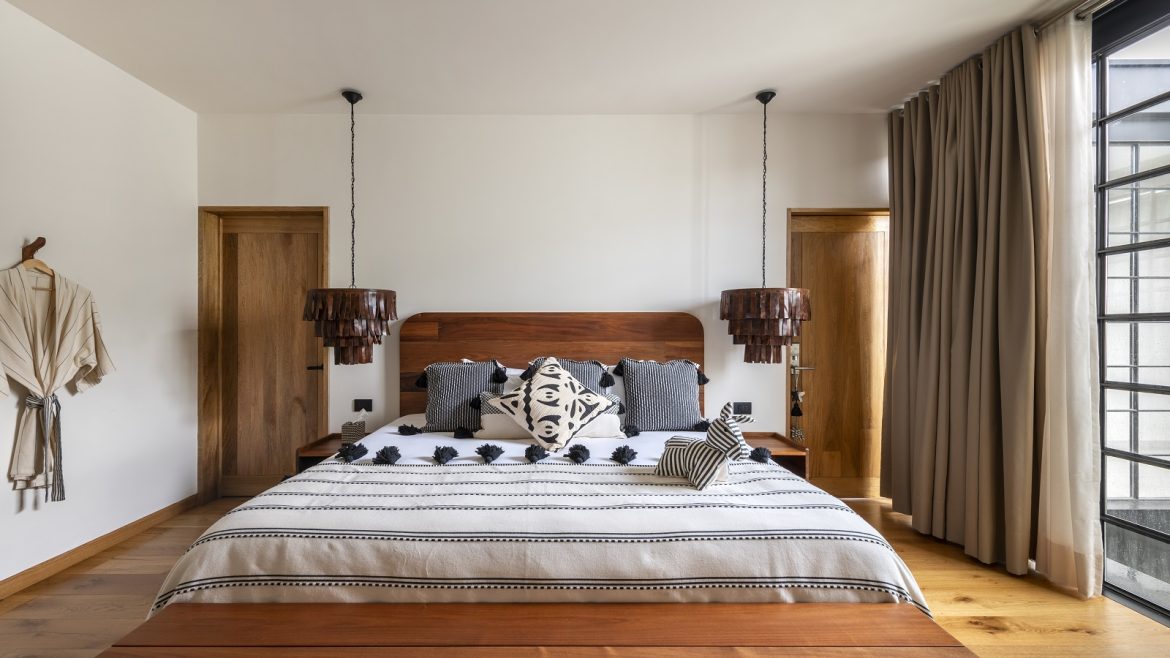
<point x="741" y="408"/>
<point x="363" y="405"/>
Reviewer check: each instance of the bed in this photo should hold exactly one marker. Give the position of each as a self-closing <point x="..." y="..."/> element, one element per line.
<point x="591" y="538"/>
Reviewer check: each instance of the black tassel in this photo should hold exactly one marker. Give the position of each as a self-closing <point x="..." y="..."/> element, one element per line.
<point x="444" y="454"/>
<point x="624" y="455"/>
<point x="463" y="433"/>
<point x="489" y="452"/>
<point x="620" y="369"/>
<point x="500" y="375"/>
<point x="528" y="372"/>
<point x="703" y="379"/>
<point x="387" y="455"/>
<point x="631" y="431"/>
<point x="579" y="454"/>
<point x="421" y="382"/>
<point x="476" y="403"/>
<point x="408" y="430"/>
<point x="351" y="452"/>
<point x="762" y="455"/>
<point x="535" y="453"/>
<point x="796" y="409"/>
<point x="702" y="425"/>
<point x="621" y="408"/>
<point x="607" y="380"/>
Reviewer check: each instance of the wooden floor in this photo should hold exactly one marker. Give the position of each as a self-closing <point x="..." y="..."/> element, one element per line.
<point x="82" y="611"/>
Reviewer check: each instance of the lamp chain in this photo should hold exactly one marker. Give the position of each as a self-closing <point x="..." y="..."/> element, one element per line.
<point x="764" y="220"/>
<point x="352" y="202"/>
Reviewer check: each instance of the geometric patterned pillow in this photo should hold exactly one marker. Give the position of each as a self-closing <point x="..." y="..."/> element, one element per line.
<point x="661" y="396"/>
<point x="450" y="389"/>
<point x="552" y="405"/>
<point x="495" y="424"/>
<point x="590" y="373"/>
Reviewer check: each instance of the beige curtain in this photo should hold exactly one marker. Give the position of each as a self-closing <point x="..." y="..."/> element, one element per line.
<point x="1068" y="536"/>
<point x="969" y="232"/>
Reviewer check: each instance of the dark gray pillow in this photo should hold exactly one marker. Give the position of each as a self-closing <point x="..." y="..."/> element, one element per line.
<point x="451" y="387"/>
<point x="661" y="396"/>
<point x="592" y="374"/>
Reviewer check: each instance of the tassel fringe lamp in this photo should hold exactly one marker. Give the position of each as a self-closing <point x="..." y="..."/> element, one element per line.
<point x="351" y="320"/>
<point x="764" y="319"/>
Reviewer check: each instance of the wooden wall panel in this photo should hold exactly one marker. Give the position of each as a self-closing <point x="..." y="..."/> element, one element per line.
<point x="514" y="339"/>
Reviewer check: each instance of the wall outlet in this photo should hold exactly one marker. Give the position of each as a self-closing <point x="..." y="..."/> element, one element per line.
<point x="744" y="408"/>
<point x="363" y="405"/>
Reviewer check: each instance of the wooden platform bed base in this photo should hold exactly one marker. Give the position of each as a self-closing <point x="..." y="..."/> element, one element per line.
<point x="499" y="630"/>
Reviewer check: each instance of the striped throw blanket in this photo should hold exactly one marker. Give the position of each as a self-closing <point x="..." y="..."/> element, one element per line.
<point x="553" y="531"/>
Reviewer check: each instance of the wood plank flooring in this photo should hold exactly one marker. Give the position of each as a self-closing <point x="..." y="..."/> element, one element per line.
<point x="83" y="610"/>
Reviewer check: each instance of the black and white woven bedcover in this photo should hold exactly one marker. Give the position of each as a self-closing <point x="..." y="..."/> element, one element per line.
<point x="553" y="531"/>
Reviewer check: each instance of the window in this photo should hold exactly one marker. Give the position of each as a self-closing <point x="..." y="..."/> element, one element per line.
<point x="1131" y="65"/>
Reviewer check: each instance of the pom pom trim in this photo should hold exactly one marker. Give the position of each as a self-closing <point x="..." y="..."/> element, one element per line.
<point x="463" y="433"/>
<point x="408" y="430"/>
<point x="421" y="382"/>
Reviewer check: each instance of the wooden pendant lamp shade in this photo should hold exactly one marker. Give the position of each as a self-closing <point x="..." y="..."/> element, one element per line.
<point x="764" y="319"/>
<point x="351" y="320"/>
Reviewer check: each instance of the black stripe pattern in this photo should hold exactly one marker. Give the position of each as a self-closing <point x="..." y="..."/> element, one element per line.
<point x="661" y="396"/>
<point x="450" y="389"/>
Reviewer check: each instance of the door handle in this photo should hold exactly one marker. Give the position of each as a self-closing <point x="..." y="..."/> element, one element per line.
<point x="319" y="366"/>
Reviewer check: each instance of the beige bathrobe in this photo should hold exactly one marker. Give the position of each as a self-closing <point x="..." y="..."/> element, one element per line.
<point x="48" y="340"/>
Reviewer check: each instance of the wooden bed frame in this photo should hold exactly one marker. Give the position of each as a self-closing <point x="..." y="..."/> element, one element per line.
<point x="519" y="629"/>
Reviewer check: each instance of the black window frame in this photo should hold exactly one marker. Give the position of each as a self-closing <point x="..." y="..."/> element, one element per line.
<point x="1121" y="25"/>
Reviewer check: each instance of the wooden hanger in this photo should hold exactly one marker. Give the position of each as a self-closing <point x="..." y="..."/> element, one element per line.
<point x="29" y="261"/>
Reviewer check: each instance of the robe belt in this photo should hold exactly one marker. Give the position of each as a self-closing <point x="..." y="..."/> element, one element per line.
<point x="50" y="431"/>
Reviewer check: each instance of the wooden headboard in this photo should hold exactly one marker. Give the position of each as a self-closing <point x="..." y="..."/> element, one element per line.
<point x="514" y="339"/>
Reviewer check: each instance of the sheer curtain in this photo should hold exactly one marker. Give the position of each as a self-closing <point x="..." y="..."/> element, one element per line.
<point x="989" y="436"/>
<point x="1068" y="535"/>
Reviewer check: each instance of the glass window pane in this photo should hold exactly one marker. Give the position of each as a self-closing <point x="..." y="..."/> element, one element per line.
<point x="1138" y="282"/>
<point x="1139" y="71"/>
<point x="1117" y="481"/>
<point x="1137" y="352"/>
<point x="1137" y="564"/>
<point x="1138" y="422"/>
<point x="1119" y="418"/>
<point x="1139" y="212"/>
<point x="1139" y="142"/>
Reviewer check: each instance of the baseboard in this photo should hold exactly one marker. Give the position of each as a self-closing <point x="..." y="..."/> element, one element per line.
<point x="53" y="566"/>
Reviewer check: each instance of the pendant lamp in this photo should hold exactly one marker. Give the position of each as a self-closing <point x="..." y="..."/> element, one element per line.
<point x="351" y="320"/>
<point x="764" y="319"/>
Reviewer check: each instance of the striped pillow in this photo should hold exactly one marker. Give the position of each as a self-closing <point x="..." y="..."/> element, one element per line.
<point x="450" y="389"/>
<point x="661" y="396"/>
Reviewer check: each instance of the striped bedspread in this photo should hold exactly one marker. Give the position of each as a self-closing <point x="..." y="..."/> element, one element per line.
<point x="547" y="532"/>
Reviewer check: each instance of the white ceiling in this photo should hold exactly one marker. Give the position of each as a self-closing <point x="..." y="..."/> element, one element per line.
<point x="535" y="56"/>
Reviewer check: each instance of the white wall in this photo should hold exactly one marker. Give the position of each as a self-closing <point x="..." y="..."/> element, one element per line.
<point x="637" y="213"/>
<point x="105" y="168"/>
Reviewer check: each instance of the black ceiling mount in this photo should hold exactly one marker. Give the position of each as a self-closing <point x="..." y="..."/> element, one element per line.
<point x="351" y="95"/>
<point x="764" y="97"/>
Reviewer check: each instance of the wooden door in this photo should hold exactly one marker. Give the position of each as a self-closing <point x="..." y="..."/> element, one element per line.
<point x="269" y="401"/>
<point x="841" y="257"/>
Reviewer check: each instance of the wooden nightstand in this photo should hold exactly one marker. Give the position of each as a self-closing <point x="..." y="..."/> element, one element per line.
<point x="785" y="452"/>
<point x="317" y="451"/>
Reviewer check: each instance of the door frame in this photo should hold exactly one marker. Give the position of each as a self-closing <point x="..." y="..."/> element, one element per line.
<point x="818" y="215"/>
<point x="210" y="318"/>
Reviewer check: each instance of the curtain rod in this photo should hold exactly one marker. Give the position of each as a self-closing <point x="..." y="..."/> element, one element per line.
<point x="1081" y="10"/>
